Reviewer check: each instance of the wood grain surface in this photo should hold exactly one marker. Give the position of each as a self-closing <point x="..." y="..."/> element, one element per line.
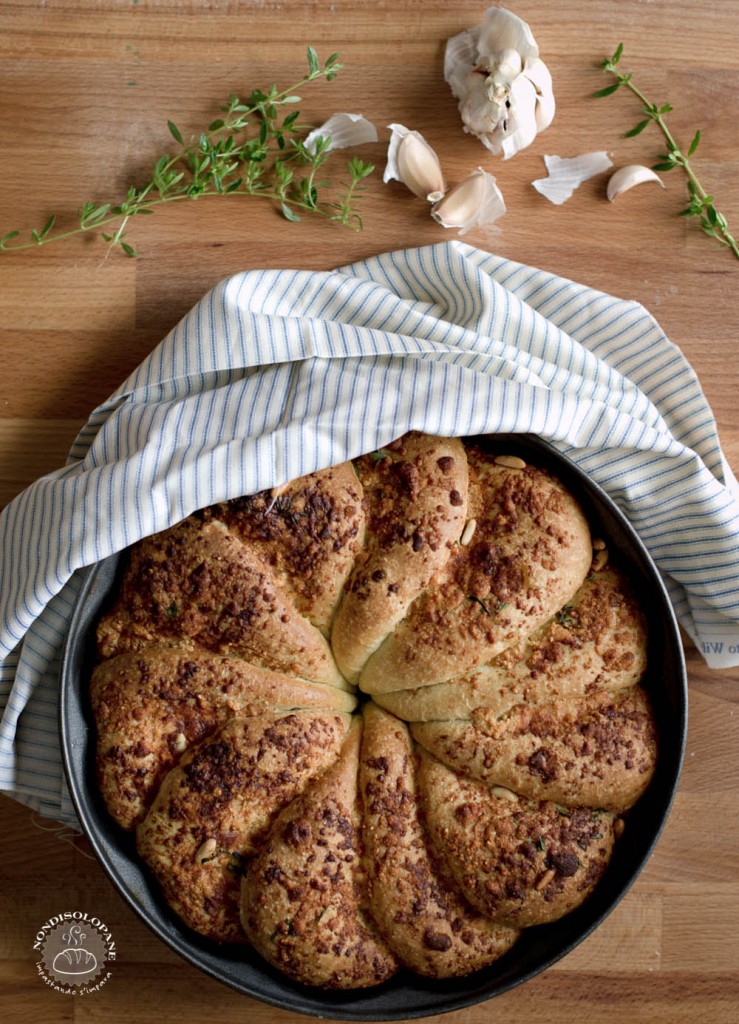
<point x="86" y="88"/>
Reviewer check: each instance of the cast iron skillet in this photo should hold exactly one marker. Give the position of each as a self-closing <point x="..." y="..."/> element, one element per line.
<point x="406" y="995"/>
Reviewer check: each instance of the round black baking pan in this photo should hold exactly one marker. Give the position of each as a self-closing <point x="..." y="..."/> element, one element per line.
<point x="406" y="995"/>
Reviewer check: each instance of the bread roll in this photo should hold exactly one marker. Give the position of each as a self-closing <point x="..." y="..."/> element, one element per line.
<point x="304" y="895"/>
<point x="307" y="532"/>
<point x="197" y="585"/>
<point x="150" y="707"/>
<point x="597" y="641"/>
<point x="416" y="504"/>
<point x="215" y="808"/>
<point x="422" y="917"/>
<point x="518" y="861"/>
<point x="598" y="751"/>
<point x="529" y="553"/>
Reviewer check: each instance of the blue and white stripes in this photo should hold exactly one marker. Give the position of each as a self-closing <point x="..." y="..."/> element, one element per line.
<point x="277" y="373"/>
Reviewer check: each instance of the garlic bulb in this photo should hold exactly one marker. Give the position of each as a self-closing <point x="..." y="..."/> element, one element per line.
<point x="626" y="177"/>
<point x="504" y="89"/>
<point x="473" y="202"/>
<point x="411" y="160"/>
<point x="342" y="131"/>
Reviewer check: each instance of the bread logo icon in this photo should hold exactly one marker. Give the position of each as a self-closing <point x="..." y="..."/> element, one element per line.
<point x="75" y="949"/>
<point x="75" y="959"/>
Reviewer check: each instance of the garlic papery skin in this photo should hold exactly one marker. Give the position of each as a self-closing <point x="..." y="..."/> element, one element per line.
<point x="342" y="131"/>
<point x="503" y="87"/>
<point x="626" y="177"/>
<point x="502" y="30"/>
<point x="412" y="161"/>
<point x="473" y="202"/>
<point x="567" y="174"/>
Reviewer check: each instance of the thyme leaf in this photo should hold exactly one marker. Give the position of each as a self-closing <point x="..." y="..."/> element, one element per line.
<point x="486" y="606"/>
<point x="380" y="454"/>
<point x="566" y="618"/>
<point x="483" y="605"/>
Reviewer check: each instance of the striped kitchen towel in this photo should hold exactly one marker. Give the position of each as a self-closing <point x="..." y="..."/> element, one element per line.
<point x="277" y="373"/>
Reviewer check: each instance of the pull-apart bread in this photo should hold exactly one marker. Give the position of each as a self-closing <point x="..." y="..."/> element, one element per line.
<point x="479" y="789"/>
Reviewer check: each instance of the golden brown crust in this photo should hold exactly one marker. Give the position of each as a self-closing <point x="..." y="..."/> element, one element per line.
<point x="517" y="861"/>
<point x="198" y="585"/>
<point x="530" y="552"/>
<point x="307" y="533"/>
<point x="304" y="894"/>
<point x="152" y="706"/>
<point x="466" y="605"/>
<point x="597" y="641"/>
<point x="214" y="810"/>
<point x="426" y="923"/>
<point x="416" y="504"/>
<point x="599" y="751"/>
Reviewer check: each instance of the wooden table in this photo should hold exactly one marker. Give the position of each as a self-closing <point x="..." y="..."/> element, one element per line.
<point x="85" y="92"/>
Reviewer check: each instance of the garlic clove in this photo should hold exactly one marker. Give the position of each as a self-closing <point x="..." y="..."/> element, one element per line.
<point x="502" y="69"/>
<point x="545" y="110"/>
<point x="507" y="133"/>
<point x="412" y="161"/>
<point x="473" y="202"/>
<point x="342" y="131"/>
<point x="509" y="64"/>
<point x="521" y="127"/>
<point x="480" y="116"/>
<point x="627" y="177"/>
<point x="538" y="73"/>
<point x="565" y="175"/>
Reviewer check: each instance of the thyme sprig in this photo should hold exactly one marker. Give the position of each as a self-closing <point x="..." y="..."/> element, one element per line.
<point x="701" y="204"/>
<point x="255" y="148"/>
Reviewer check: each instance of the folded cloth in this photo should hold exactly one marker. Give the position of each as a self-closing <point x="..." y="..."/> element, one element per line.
<point x="277" y="373"/>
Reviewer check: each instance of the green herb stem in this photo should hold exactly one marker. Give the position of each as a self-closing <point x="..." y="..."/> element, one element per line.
<point x="701" y="203"/>
<point x="251" y="150"/>
<point x="153" y="203"/>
